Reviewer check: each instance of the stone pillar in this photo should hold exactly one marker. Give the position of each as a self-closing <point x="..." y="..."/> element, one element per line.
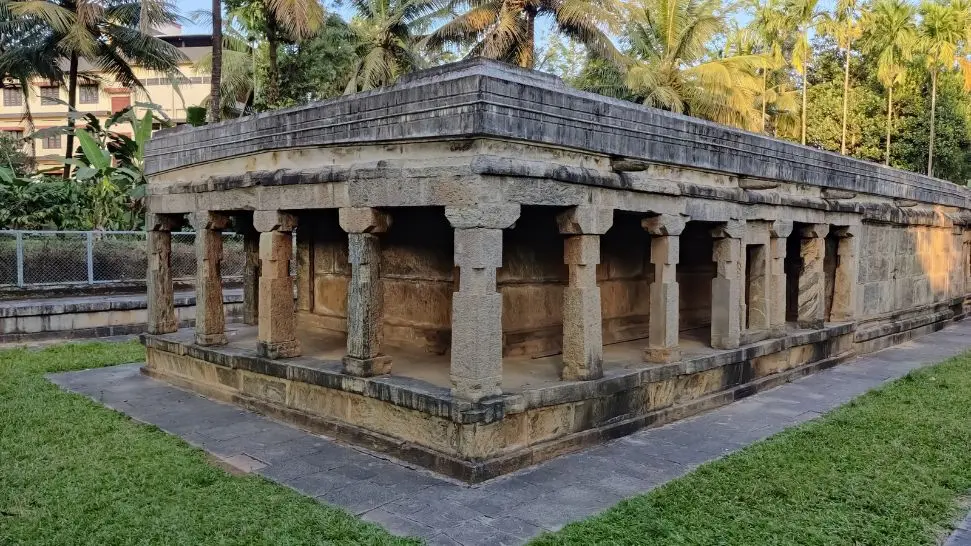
<point x="210" y="315"/>
<point x="582" y="324"/>
<point x="779" y="232"/>
<point x="664" y="321"/>
<point x="251" y="272"/>
<point x="726" y="287"/>
<point x="812" y="279"/>
<point x="277" y="334"/>
<point x="844" y="288"/>
<point x="161" y="303"/>
<point x="476" y="368"/>
<point x="365" y="297"/>
<point x="757" y="278"/>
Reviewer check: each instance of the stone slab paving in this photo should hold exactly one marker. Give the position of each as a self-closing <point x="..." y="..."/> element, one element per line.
<point x="962" y="534"/>
<point x="513" y="508"/>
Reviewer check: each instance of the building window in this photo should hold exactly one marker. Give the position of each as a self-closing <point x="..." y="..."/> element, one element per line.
<point x="88" y="94"/>
<point x="52" y="142"/>
<point x="12" y="96"/>
<point x="49" y="95"/>
<point x="14" y="135"/>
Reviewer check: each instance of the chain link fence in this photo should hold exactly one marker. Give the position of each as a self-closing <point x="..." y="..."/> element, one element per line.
<point x="39" y="258"/>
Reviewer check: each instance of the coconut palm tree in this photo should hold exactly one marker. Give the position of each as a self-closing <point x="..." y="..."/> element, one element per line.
<point x="506" y="29"/>
<point x="286" y="20"/>
<point x="845" y="28"/>
<point x="237" y="83"/>
<point x="673" y="67"/>
<point x="941" y="30"/>
<point x="213" y="113"/>
<point x="804" y="16"/>
<point x="890" y="33"/>
<point x="110" y="34"/>
<point x="389" y="33"/>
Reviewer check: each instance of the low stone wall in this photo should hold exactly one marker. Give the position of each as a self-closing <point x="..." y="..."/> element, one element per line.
<point x="91" y="317"/>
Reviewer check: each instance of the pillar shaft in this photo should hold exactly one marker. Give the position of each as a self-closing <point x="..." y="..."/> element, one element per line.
<point x="277" y="332"/>
<point x="726" y="290"/>
<point x="476" y="361"/>
<point x="582" y="324"/>
<point x="845" y="282"/>
<point x="251" y="276"/>
<point x="758" y="306"/>
<point x="663" y="322"/>
<point x="812" y="279"/>
<point x="779" y="234"/>
<point x="161" y="304"/>
<point x="210" y="315"/>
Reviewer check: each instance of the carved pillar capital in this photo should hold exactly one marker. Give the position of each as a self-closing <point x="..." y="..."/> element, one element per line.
<point x="363" y="220"/>
<point x="163" y="222"/>
<point x="585" y="220"/>
<point x="665" y="224"/>
<point x="780" y="229"/>
<point x="490" y="216"/>
<point x="205" y="219"/>
<point x="266" y="221"/>
<point x="814" y="231"/>
<point x="732" y="229"/>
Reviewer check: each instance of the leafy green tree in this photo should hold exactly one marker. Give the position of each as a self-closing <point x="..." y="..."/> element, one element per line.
<point x="890" y="34"/>
<point x="113" y="35"/>
<point x="845" y="28"/>
<point x="318" y="68"/>
<point x="506" y="29"/>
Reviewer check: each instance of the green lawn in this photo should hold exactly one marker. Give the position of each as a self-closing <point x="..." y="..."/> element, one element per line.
<point x="72" y="472"/>
<point x="892" y="467"/>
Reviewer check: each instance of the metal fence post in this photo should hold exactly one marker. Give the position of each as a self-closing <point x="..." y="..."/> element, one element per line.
<point x="90" y="239"/>
<point x="20" y="258"/>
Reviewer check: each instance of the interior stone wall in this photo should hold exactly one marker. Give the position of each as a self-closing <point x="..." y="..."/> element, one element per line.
<point x="695" y="272"/>
<point x="902" y="267"/>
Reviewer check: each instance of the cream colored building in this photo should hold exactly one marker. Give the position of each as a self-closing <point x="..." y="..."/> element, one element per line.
<point x="98" y="95"/>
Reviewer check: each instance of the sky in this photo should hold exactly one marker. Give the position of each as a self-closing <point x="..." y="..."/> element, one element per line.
<point x="188" y="6"/>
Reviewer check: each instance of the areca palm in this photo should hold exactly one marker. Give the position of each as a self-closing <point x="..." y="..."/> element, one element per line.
<point x="292" y="20"/>
<point x="506" y="29"/>
<point x="891" y="34"/>
<point x="112" y="35"/>
<point x="770" y="26"/>
<point x="388" y="33"/>
<point x="845" y="28"/>
<point x="941" y="30"/>
<point x="804" y="16"/>
<point x="673" y="69"/>
<point x="237" y="84"/>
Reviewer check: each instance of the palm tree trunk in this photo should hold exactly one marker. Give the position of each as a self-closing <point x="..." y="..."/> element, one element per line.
<point x="72" y="98"/>
<point x="272" y="93"/>
<point x="803" y="132"/>
<point x="889" y="121"/>
<point x="531" y="37"/>
<point x="930" y="144"/>
<point x="765" y="90"/>
<point x="846" y="97"/>
<point x="217" y="62"/>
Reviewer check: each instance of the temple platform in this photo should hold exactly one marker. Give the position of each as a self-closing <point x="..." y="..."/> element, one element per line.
<point x="412" y="414"/>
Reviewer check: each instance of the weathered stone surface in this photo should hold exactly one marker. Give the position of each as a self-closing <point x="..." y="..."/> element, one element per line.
<point x="665" y="294"/>
<point x="726" y="293"/>
<point x="277" y="330"/>
<point x="585" y="220"/>
<point x="582" y="328"/>
<point x="251" y="275"/>
<point x="210" y="316"/>
<point x="365" y="307"/>
<point x="161" y="307"/>
<point x="810" y="299"/>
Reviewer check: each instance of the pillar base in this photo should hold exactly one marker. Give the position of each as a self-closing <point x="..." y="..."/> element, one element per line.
<point x="574" y="373"/>
<point x="279" y="349"/>
<point x="811" y="324"/>
<point x="207" y="340"/>
<point x="662" y="355"/>
<point x="163" y="328"/>
<point x="367" y="367"/>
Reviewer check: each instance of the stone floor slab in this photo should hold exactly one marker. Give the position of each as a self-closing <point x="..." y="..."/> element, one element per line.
<point x="513" y="508"/>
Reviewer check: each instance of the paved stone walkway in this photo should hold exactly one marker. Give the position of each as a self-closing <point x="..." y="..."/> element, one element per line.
<point x="513" y="508"/>
<point x="961" y="535"/>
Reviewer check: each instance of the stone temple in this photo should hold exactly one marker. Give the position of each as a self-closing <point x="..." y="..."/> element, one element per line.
<point x="480" y="268"/>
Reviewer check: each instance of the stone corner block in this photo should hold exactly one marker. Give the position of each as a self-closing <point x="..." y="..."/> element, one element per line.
<point x="780" y="229"/>
<point x="363" y="220"/>
<point x="732" y="229"/>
